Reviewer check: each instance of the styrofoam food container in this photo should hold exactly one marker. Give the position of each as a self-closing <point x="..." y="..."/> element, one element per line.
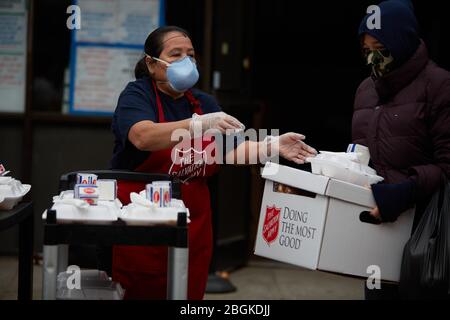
<point x="135" y="214"/>
<point x="368" y="170"/>
<point x="339" y="171"/>
<point x="374" y="179"/>
<point x="342" y="161"/>
<point x="6" y="180"/>
<point x="104" y="211"/>
<point x="9" y="200"/>
<point x="338" y="156"/>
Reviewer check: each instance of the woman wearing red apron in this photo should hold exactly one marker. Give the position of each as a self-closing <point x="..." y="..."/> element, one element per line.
<point x="149" y="110"/>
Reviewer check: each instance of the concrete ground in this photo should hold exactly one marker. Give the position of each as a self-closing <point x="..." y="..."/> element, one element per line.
<point x="261" y="279"/>
<point x="9" y="279"/>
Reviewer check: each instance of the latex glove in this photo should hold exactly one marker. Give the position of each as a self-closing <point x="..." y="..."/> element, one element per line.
<point x="216" y="120"/>
<point x="291" y="147"/>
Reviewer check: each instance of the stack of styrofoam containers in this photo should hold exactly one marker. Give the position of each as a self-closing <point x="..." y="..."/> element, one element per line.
<point x="11" y="192"/>
<point x="344" y="166"/>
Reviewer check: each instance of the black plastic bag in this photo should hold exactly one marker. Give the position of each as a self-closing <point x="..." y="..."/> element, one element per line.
<point x="426" y="256"/>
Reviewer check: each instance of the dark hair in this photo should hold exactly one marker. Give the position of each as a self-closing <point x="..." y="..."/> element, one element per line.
<point x="154" y="46"/>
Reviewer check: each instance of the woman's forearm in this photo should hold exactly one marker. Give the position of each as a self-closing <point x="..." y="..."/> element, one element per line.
<point x="290" y="146"/>
<point x="248" y="152"/>
<point x="150" y="136"/>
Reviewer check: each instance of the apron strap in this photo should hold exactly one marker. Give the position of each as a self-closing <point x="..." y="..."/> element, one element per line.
<point x="159" y="104"/>
<point x="188" y="94"/>
<point x="194" y="102"/>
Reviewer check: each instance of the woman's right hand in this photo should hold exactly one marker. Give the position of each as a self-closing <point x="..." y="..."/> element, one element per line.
<point x="216" y="120"/>
<point x="375" y="212"/>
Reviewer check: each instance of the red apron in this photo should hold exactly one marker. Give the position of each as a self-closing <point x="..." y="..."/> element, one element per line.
<point x="142" y="271"/>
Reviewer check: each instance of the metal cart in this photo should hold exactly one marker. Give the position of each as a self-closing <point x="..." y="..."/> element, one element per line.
<point x="57" y="237"/>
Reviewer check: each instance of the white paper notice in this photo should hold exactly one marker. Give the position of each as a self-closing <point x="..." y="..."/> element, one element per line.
<point x="102" y="73"/>
<point x="126" y="22"/>
<point x="107" y="48"/>
<point x="13" y="39"/>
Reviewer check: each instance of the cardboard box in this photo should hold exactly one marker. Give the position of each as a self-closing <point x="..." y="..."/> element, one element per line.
<point x="313" y="221"/>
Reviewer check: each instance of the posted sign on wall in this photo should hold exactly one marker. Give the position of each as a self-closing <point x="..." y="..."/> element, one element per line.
<point x="13" y="49"/>
<point x="106" y="49"/>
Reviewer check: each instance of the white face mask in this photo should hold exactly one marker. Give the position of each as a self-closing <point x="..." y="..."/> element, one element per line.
<point x="182" y="74"/>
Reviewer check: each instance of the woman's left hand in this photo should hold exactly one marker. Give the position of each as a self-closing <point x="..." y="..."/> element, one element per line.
<point x="292" y="147"/>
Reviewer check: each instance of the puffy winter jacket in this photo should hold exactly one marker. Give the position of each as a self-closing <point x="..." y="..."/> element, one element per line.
<point x="404" y="119"/>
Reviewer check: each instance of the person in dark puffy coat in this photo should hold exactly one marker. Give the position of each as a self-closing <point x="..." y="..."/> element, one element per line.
<point x="402" y="114"/>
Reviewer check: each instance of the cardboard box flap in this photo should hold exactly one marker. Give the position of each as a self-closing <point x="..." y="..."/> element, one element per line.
<point x="351" y="193"/>
<point x="295" y="178"/>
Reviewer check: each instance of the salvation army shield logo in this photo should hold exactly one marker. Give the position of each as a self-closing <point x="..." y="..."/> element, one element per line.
<point x="271" y="224"/>
<point x="187" y="164"/>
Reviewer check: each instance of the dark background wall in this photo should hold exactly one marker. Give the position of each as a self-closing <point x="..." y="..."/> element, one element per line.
<point x="57" y="148"/>
<point x="292" y="65"/>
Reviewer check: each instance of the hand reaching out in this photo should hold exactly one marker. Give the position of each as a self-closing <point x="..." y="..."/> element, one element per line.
<point x="294" y="149"/>
<point x="291" y="147"/>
